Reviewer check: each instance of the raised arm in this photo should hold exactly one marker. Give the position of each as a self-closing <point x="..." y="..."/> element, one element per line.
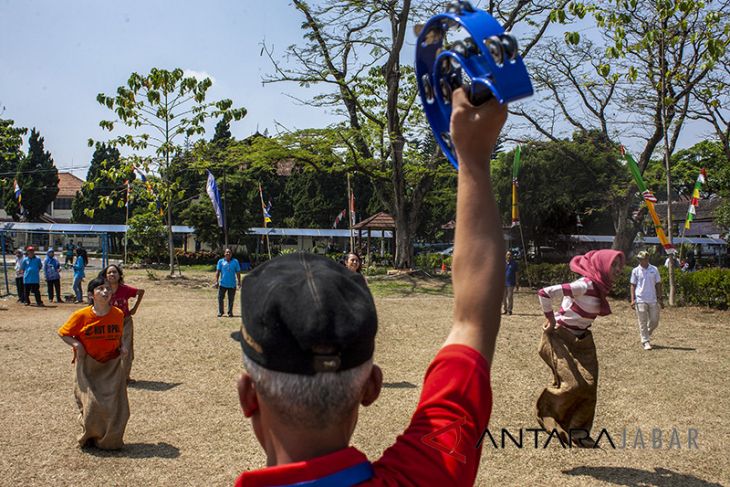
<point x="478" y="265"/>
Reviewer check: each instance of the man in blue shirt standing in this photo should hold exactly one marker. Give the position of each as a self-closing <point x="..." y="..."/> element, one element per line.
<point x="227" y="279"/>
<point x="52" y="269"/>
<point x="510" y="282"/>
<point x="31" y="267"/>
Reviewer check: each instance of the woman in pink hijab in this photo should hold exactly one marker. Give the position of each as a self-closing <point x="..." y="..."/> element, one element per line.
<point x="569" y="404"/>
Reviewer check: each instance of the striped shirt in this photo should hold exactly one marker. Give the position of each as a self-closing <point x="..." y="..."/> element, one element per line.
<point x="579" y="307"/>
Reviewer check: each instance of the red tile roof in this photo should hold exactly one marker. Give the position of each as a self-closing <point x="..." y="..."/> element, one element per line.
<point x="68" y="185"/>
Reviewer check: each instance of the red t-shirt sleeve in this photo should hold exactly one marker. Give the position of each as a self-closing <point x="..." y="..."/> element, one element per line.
<point x="129" y="291"/>
<point x="439" y="447"/>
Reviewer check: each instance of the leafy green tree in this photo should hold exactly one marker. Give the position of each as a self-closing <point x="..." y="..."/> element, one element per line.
<point x="201" y="217"/>
<point x="159" y="109"/>
<point x="147" y="236"/>
<point x="11" y="143"/>
<point x="722" y="217"/>
<point x="37" y="177"/>
<point x="634" y="79"/>
<point x="101" y="186"/>
<point x="652" y="55"/>
<point x="355" y="48"/>
<point x="295" y="168"/>
<point x="316" y="198"/>
<point x="551" y="195"/>
<point x="685" y="168"/>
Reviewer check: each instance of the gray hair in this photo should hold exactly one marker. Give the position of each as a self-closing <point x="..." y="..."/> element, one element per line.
<point x="310" y="401"/>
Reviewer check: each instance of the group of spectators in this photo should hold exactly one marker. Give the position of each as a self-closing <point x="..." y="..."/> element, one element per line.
<point x="29" y="267"/>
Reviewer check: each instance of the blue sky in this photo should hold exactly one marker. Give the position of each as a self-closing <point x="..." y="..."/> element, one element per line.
<point x="55" y="56"/>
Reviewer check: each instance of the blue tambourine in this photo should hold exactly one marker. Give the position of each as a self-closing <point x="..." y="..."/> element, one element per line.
<point x="466" y="47"/>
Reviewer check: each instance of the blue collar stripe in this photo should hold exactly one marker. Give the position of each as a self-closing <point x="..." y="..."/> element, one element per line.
<point x="343" y="478"/>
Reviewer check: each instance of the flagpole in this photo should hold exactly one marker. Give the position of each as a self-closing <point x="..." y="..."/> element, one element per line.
<point x="225" y="212"/>
<point x="263" y="208"/>
<point x="126" y="225"/>
<point x="524" y="253"/>
<point x="681" y="244"/>
<point x="516" y="208"/>
<point x="349" y="212"/>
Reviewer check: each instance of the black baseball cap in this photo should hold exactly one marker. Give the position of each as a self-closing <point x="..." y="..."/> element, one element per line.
<point x="303" y="314"/>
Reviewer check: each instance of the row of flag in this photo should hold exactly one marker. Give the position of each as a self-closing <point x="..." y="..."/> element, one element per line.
<point x="215" y="198"/>
<point x="211" y="188"/>
<point x="649" y="198"/>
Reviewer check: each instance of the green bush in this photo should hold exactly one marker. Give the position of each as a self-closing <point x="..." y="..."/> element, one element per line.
<point x="541" y="275"/>
<point x="706" y="287"/>
<point x="147" y="237"/>
<point x="429" y="262"/>
<point x="621" y="286"/>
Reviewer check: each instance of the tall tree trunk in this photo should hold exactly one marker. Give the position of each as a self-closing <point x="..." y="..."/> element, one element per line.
<point x="626" y="229"/>
<point x="403" y="239"/>
<point x="170" y="243"/>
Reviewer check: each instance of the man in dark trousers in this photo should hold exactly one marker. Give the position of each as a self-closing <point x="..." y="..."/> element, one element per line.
<point x="308" y="337"/>
<point x="31" y="266"/>
<point x="510" y="283"/>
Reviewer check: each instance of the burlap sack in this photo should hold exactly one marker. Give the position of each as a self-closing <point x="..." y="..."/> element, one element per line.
<point x="101" y="395"/>
<point x="128" y="341"/>
<point x="570" y="402"/>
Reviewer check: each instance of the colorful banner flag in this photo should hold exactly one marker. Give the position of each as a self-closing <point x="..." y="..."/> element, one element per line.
<point x="265" y="209"/>
<point x="339" y="218"/>
<point x="18" y="193"/>
<point x="695" y="202"/>
<point x="212" y="189"/>
<point x="649" y="199"/>
<point x="515" y="174"/>
<point x="353" y="218"/>
<point x="267" y="212"/>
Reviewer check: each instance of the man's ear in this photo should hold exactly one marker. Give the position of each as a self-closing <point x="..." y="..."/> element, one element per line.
<point x="372" y="386"/>
<point x="247" y="395"/>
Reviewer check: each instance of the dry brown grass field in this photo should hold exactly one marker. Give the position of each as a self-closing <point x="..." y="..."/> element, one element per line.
<point x="186" y="427"/>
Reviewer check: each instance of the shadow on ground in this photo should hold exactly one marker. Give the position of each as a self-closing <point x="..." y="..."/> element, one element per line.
<point x="138" y="450"/>
<point x="153" y="385"/>
<point x="660" y="477"/>
<point x="666" y="347"/>
<point x="399" y="385"/>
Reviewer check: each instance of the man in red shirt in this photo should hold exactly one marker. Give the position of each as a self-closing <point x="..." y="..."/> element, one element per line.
<point x="308" y="337"/>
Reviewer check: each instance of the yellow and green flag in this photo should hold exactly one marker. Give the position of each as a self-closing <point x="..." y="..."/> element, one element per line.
<point x="695" y="202"/>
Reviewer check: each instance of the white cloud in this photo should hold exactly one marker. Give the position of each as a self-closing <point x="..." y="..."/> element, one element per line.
<point x="198" y="75"/>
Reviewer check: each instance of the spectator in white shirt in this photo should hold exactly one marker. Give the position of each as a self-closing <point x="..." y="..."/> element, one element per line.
<point x="646" y="297"/>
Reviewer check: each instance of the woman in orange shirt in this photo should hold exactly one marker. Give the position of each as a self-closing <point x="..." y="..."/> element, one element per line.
<point x="95" y="333"/>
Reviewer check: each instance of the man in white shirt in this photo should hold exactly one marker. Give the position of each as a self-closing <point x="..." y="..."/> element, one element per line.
<point x="646" y="297"/>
